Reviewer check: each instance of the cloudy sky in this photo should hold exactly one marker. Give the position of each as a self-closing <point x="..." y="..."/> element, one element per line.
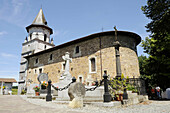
<point x="69" y="19"/>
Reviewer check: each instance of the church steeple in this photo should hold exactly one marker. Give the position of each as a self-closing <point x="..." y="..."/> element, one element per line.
<point x="40" y="18"/>
<point x="39" y="21"/>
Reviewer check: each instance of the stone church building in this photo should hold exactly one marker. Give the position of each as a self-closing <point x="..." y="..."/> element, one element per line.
<point x="92" y="55"/>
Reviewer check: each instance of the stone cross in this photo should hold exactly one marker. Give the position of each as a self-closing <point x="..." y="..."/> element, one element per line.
<point x="67" y="65"/>
<point x="115" y="33"/>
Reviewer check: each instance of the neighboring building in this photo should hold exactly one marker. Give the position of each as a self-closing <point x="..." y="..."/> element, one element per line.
<point x="92" y="56"/>
<point x="38" y="40"/>
<point x="7" y="82"/>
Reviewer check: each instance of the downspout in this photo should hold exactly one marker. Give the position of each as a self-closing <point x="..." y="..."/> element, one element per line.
<point x="101" y="57"/>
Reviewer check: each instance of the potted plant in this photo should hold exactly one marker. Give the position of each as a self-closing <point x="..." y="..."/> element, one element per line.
<point x="36" y="89"/>
<point x="44" y="85"/>
<point x="117" y="87"/>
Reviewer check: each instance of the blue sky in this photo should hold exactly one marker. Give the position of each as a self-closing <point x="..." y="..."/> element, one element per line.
<point x="69" y="19"/>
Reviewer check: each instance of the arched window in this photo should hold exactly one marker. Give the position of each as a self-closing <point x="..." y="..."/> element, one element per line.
<point x="93" y="64"/>
<point x="30" y="36"/>
<point x="77" y="49"/>
<point x="45" y="47"/>
<point x="45" y="37"/>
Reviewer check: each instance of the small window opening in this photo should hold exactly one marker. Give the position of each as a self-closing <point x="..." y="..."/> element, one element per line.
<point x="45" y="37"/>
<point x="64" y="65"/>
<point x="30" y="36"/>
<point x="35" y="71"/>
<point x="80" y="79"/>
<point x="93" y="64"/>
<point x="77" y="49"/>
<point x="45" y="47"/>
<point x="40" y="70"/>
<point x="51" y="57"/>
<point x="36" y="60"/>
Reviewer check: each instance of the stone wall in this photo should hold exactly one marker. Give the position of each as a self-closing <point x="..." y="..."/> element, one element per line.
<point x="100" y="47"/>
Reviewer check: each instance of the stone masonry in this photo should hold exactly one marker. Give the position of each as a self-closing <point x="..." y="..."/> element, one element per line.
<point x="99" y="46"/>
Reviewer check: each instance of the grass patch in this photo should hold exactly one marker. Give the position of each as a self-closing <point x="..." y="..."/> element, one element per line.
<point x="14" y="91"/>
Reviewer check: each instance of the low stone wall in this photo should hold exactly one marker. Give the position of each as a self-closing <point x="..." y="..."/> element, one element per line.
<point x="134" y="98"/>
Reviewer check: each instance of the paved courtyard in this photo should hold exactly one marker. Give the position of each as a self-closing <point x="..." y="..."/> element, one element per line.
<point x="20" y="104"/>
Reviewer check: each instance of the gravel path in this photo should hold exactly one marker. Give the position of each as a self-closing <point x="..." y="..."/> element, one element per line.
<point x="25" y="105"/>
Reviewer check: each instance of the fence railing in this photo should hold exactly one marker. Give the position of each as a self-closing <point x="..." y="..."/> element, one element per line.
<point x="139" y="84"/>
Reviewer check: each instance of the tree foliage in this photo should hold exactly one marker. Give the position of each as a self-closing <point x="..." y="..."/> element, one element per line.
<point x="157" y="65"/>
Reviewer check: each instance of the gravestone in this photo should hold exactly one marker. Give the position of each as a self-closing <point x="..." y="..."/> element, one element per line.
<point x="76" y="92"/>
<point x="168" y="93"/>
<point x="76" y="89"/>
<point x="41" y="78"/>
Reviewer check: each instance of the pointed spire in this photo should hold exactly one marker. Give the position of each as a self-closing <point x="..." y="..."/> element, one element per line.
<point x="40" y="19"/>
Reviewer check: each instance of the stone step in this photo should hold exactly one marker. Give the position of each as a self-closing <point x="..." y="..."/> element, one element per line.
<point x="135" y="100"/>
<point x="105" y="104"/>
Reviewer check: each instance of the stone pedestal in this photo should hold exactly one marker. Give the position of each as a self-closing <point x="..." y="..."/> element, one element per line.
<point x="62" y="95"/>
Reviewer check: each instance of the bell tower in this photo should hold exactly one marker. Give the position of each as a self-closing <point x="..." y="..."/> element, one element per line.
<point x="38" y="39"/>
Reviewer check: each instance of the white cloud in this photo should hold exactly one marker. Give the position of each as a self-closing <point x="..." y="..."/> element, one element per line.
<point x="8" y="55"/>
<point x="17" y="5"/>
<point x="14" y="11"/>
<point x="3" y="33"/>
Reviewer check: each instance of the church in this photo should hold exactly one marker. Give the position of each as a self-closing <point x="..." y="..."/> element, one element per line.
<point x="110" y="52"/>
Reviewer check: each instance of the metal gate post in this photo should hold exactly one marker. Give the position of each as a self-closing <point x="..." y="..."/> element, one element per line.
<point x="49" y="97"/>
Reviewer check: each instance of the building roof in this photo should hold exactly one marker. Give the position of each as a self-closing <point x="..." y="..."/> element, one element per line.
<point x="131" y="34"/>
<point x="7" y="80"/>
<point x="40" y="21"/>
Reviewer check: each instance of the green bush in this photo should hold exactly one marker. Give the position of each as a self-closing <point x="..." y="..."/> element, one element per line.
<point x="23" y="92"/>
<point x="14" y="91"/>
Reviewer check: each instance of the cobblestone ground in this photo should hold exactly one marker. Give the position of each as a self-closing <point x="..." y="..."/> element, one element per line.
<point x="20" y="104"/>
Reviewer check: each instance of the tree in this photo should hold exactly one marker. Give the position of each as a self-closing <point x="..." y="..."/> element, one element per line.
<point x="142" y="62"/>
<point x="158" y="45"/>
